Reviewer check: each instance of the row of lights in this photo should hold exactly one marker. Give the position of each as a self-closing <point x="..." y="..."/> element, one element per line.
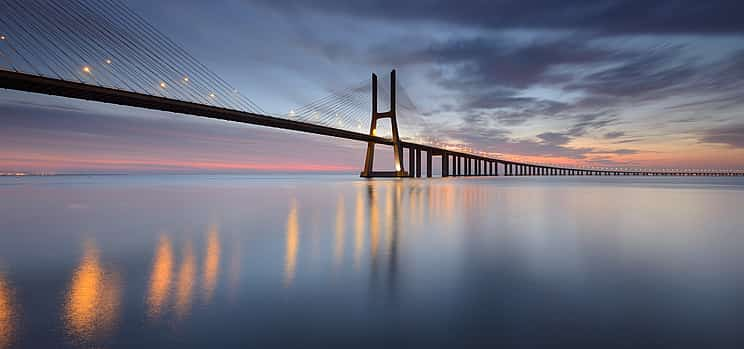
<point x="88" y="70"/>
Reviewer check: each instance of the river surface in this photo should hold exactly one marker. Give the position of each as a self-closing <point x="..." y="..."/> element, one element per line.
<point x="187" y="261"/>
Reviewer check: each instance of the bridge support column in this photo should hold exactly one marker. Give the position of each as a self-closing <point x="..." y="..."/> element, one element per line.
<point x="445" y="164"/>
<point x="418" y="162"/>
<point x="411" y="162"/>
<point x="397" y="147"/>
<point x="428" y="164"/>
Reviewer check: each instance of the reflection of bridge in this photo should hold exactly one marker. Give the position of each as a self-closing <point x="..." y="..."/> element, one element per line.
<point x="102" y="51"/>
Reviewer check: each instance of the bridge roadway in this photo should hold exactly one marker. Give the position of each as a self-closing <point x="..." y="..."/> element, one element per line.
<point x="454" y="163"/>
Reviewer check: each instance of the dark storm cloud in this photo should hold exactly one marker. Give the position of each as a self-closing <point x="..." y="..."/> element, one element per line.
<point x="476" y="63"/>
<point x="612" y="16"/>
<point x="648" y="75"/>
<point x="732" y="135"/>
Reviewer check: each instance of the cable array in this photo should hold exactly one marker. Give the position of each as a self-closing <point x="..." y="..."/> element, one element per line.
<point x="105" y="43"/>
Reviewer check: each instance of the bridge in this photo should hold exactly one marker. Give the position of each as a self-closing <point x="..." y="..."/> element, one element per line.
<point x="100" y="50"/>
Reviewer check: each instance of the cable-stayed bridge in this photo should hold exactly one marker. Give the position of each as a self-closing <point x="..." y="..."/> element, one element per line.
<point x="100" y="50"/>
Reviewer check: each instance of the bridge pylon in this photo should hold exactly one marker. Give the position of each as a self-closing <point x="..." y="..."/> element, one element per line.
<point x="368" y="172"/>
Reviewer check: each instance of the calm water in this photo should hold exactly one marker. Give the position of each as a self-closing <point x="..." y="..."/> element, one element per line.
<point x="333" y="261"/>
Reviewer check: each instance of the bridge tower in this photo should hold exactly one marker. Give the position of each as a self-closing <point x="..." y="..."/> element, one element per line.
<point x="397" y="148"/>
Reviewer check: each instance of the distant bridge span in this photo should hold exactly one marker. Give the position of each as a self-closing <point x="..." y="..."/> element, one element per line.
<point x="101" y="50"/>
<point x="454" y="163"/>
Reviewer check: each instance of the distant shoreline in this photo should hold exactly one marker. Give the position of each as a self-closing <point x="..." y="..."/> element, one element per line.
<point x="21" y="174"/>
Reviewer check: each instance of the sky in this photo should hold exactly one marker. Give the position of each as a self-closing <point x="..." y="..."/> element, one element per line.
<point x="621" y="83"/>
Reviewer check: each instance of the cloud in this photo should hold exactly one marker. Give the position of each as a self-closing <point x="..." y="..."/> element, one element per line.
<point x="618" y="151"/>
<point x="612" y="16"/>
<point x="554" y="138"/>
<point x="613" y="135"/>
<point x="732" y="135"/>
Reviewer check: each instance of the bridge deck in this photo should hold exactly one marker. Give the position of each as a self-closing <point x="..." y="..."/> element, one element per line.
<point x="56" y="87"/>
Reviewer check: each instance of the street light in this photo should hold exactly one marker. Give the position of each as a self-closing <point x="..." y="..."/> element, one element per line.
<point x="163" y="85"/>
<point x="86" y="69"/>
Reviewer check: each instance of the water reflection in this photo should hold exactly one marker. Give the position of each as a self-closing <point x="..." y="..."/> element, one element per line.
<point x="7" y="314"/>
<point x="384" y="266"/>
<point x="160" y="278"/>
<point x="338" y="249"/>
<point x="236" y="260"/>
<point x="94" y="297"/>
<point x="374" y="223"/>
<point x="186" y="279"/>
<point x="358" y="228"/>
<point x="293" y="242"/>
<point x="428" y="262"/>
<point x="211" y="263"/>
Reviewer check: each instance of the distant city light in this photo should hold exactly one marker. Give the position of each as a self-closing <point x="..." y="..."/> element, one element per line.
<point x="212" y="95"/>
<point x="163" y="85"/>
<point x="86" y="69"/>
<point x="108" y="61"/>
<point x="185" y="79"/>
<point x="3" y="37"/>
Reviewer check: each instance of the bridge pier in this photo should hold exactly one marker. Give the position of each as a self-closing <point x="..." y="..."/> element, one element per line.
<point x="428" y="163"/>
<point x="418" y="162"/>
<point x="368" y="171"/>
<point x="445" y="164"/>
<point x="411" y="162"/>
